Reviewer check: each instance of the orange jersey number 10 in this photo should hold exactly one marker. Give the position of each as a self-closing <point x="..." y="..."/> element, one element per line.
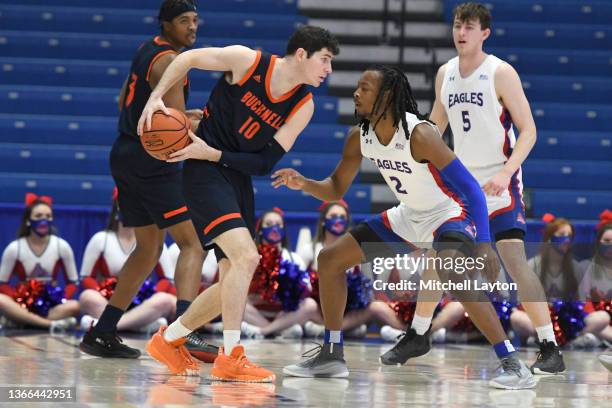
<point x="249" y="128"/>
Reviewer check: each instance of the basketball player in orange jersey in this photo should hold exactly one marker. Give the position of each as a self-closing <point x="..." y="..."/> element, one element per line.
<point x="254" y="115"/>
<point x="481" y="96"/>
<point x="150" y="197"/>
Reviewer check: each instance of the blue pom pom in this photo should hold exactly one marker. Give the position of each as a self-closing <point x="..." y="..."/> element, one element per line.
<point x="292" y="283"/>
<point x="359" y="291"/>
<point x="146" y="291"/>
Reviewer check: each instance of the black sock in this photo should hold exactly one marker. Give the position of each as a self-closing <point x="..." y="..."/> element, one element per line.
<point x="181" y="307"/>
<point x="109" y="319"/>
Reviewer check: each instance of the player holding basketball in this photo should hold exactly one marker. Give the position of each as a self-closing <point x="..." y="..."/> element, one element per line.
<point x="150" y="198"/>
<point x="254" y="115"/>
<point x="481" y="96"/>
<point x="439" y="201"/>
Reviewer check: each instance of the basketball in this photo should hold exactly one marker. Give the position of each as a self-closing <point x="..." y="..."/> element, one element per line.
<point x="168" y="134"/>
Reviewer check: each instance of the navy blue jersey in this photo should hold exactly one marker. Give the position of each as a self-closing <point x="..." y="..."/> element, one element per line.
<point x="244" y="117"/>
<point x="138" y="89"/>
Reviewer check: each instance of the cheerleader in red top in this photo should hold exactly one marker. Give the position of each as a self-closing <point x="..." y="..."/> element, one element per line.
<point x="34" y="260"/>
<point x="334" y="220"/>
<point x="105" y="254"/>
<point x="279" y="301"/>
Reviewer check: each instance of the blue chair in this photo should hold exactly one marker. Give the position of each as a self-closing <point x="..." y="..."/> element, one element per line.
<point x="577" y="145"/>
<point x="578" y="174"/>
<point x="570" y="204"/>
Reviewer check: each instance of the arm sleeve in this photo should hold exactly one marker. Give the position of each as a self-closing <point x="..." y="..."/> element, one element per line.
<point x="9" y="257"/>
<point x="461" y="179"/>
<point x="68" y="259"/>
<point x="254" y="164"/>
<point x="94" y="248"/>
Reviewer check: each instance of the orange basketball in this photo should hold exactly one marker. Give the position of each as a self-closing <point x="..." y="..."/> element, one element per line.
<point x="167" y="135"/>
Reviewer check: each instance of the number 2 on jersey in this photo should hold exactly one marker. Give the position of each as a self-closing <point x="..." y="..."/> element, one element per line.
<point x="467" y="125"/>
<point x="249" y="128"/>
<point x="398" y="185"/>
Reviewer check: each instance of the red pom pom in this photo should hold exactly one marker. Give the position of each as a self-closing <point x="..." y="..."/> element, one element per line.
<point x="264" y="280"/>
<point x="404" y="310"/>
<point x="548" y="217"/>
<point x="605" y="218"/>
<point x="90" y="283"/>
<point x="70" y="290"/>
<point x="164" y="285"/>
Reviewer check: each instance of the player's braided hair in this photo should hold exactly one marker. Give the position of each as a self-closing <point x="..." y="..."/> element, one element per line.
<point x="400" y="101"/>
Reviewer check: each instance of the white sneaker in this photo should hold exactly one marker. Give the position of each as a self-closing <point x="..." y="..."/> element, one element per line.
<point x="293" y="332"/>
<point x="390" y="334"/>
<point x="313" y="329"/>
<point x="62" y="324"/>
<point x="154" y="326"/>
<point x="586" y="340"/>
<point x="606" y="361"/>
<point x="214" y="328"/>
<point x="358" y="332"/>
<point x="439" y="336"/>
<point x="250" y="331"/>
<point x="87" y="321"/>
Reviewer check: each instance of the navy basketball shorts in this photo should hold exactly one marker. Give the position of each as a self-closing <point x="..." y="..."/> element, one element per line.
<point x="149" y="189"/>
<point x="219" y="199"/>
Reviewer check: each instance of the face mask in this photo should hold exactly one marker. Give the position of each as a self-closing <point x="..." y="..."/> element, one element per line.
<point x="605" y="250"/>
<point x="41" y="227"/>
<point x="336" y="225"/>
<point x="273" y="234"/>
<point x="561" y="244"/>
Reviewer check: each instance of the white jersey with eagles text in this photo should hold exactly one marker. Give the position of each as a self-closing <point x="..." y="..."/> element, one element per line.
<point x="419" y="186"/>
<point x="482" y="128"/>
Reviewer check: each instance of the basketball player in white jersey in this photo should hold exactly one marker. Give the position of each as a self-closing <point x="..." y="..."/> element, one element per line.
<point x="481" y="97"/>
<point x="440" y="203"/>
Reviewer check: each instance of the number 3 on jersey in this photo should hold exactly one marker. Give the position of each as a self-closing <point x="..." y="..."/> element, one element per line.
<point x="467" y="125"/>
<point x="249" y="128"/>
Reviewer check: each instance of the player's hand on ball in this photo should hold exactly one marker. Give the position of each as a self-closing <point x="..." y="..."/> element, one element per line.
<point x="198" y="149"/>
<point x="497" y="184"/>
<point x="152" y="106"/>
<point x="492" y="265"/>
<point x="194" y="114"/>
<point x="288" y="177"/>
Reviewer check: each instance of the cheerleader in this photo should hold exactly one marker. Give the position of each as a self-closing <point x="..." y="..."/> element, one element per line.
<point x="559" y="272"/>
<point x="105" y="254"/>
<point x="334" y="220"/>
<point x="282" y="310"/>
<point x="35" y="260"/>
<point x="596" y="284"/>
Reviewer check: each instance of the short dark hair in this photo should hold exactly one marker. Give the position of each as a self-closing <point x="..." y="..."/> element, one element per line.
<point x="170" y="9"/>
<point x="473" y="11"/>
<point x="312" y="39"/>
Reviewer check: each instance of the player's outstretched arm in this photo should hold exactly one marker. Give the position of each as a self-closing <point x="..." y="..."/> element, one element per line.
<point x="337" y="184"/>
<point x="255" y="164"/>
<point x="510" y="91"/>
<point x="438" y="114"/>
<point x="236" y="59"/>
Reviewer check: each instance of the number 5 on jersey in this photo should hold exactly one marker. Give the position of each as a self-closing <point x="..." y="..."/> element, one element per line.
<point x="467" y="125"/>
<point x="249" y="128"/>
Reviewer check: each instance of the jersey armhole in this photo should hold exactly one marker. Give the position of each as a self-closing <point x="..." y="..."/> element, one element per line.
<point x="298" y="106"/>
<point x="158" y="56"/>
<point x="251" y="70"/>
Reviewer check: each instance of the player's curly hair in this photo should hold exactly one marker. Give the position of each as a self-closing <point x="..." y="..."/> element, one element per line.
<point x="400" y="100"/>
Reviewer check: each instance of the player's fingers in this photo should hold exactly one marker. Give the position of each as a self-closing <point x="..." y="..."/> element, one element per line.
<point x="163" y="108"/>
<point x="192" y="135"/>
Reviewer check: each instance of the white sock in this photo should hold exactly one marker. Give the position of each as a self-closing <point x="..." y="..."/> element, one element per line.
<point x="546" y="333"/>
<point x="231" y="338"/>
<point x="175" y="331"/>
<point x="420" y="324"/>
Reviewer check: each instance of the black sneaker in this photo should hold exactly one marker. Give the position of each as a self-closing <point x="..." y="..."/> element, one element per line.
<point x="410" y="345"/>
<point x="549" y="361"/>
<point x="107" y="345"/>
<point x="326" y="361"/>
<point x="200" y="349"/>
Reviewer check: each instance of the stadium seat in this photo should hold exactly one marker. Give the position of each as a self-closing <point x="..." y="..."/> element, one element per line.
<point x="551" y="36"/>
<point x="578" y="174"/>
<point x="578" y="145"/>
<point x="21" y="99"/>
<point x="573" y="204"/>
<point x="250" y="6"/>
<point x="144" y="22"/>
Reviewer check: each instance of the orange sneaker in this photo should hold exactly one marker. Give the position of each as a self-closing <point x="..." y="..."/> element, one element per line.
<point x="236" y="367"/>
<point x="173" y="355"/>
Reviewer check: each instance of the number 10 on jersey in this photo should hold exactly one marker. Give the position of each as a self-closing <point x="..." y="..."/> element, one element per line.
<point x="249" y="128"/>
